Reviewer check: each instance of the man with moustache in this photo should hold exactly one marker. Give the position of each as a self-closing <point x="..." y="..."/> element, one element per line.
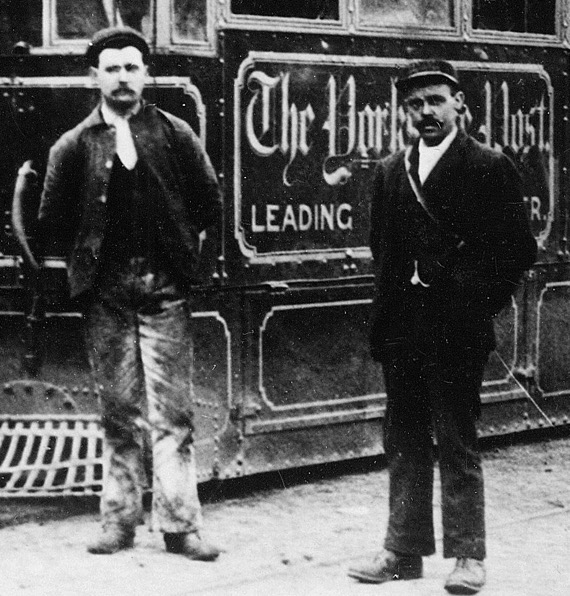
<point x="450" y="240"/>
<point x="131" y="188"/>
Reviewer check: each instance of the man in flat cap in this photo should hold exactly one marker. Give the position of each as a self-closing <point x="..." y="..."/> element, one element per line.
<point x="450" y="240"/>
<point x="131" y="188"/>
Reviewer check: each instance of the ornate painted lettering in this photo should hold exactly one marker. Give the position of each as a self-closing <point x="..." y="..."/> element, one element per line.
<point x="261" y="121"/>
<point x="372" y="130"/>
<point x="517" y="130"/>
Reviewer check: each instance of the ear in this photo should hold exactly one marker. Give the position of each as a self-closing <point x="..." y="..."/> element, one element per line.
<point x="94" y="73"/>
<point x="460" y="102"/>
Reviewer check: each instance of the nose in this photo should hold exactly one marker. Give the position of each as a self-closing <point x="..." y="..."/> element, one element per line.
<point x="427" y="109"/>
<point x="123" y="74"/>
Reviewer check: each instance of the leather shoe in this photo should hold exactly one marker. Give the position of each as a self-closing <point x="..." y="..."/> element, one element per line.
<point x="468" y="577"/>
<point x="112" y="539"/>
<point x="191" y="545"/>
<point x="388" y="566"/>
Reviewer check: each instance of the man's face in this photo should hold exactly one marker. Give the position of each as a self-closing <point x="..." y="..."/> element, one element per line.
<point x="433" y="111"/>
<point x="120" y="75"/>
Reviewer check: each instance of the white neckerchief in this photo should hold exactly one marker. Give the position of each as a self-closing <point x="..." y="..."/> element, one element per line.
<point x="125" y="145"/>
<point x="429" y="156"/>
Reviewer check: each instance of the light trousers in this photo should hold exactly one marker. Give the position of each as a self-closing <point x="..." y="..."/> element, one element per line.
<point x="138" y="333"/>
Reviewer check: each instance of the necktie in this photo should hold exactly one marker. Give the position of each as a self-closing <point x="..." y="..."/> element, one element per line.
<point x="125" y="144"/>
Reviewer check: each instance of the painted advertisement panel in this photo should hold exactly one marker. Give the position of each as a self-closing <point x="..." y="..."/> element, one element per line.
<point x="310" y="129"/>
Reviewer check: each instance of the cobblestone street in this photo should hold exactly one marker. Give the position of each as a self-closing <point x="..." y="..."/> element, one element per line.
<point x="300" y="538"/>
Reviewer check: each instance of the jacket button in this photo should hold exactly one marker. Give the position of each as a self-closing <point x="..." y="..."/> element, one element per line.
<point x="109" y="164"/>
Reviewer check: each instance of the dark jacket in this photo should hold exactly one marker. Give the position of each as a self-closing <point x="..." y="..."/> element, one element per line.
<point x="183" y="183"/>
<point x="474" y="256"/>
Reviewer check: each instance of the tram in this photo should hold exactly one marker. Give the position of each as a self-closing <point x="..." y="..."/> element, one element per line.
<point x="295" y="103"/>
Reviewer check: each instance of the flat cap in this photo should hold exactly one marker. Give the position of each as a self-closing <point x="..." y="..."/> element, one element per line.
<point x="115" y="37"/>
<point x="427" y="72"/>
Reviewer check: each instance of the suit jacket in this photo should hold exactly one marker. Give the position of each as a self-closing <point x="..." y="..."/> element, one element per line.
<point x="473" y="257"/>
<point x="183" y="183"/>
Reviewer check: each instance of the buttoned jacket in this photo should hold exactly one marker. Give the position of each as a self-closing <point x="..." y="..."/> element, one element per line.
<point x="182" y="182"/>
<point x="474" y="193"/>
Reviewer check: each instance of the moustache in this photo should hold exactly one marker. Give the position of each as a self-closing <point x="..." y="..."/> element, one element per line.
<point x="122" y="90"/>
<point x="431" y="122"/>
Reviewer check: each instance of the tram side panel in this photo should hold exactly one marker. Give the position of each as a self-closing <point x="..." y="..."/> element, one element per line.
<point x="283" y="375"/>
<point x="36" y="112"/>
<point x="308" y="130"/>
<point x="551" y="282"/>
<point x="296" y="244"/>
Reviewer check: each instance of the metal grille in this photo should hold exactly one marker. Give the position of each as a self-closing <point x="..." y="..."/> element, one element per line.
<point x="50" y="455"/>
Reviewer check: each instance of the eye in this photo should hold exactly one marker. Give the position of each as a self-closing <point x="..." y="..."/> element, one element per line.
<point x="415" y="104"/>
<point x="436" y="100"/>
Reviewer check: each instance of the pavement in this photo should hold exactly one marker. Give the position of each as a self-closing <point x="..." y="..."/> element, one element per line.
<point x="299" y="538"/>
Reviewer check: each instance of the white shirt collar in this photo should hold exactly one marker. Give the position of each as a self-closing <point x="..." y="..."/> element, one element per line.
<point x="429" y="156"/>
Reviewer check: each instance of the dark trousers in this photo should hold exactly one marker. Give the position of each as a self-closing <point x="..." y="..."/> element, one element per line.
<point x="427" y="393"/>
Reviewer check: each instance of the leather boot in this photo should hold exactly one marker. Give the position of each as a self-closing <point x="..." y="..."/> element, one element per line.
<point x="468" y="577"/>
<point x="191" y="545"/>
<point x="387" y="566"/>
<point x="112" y="539"/>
